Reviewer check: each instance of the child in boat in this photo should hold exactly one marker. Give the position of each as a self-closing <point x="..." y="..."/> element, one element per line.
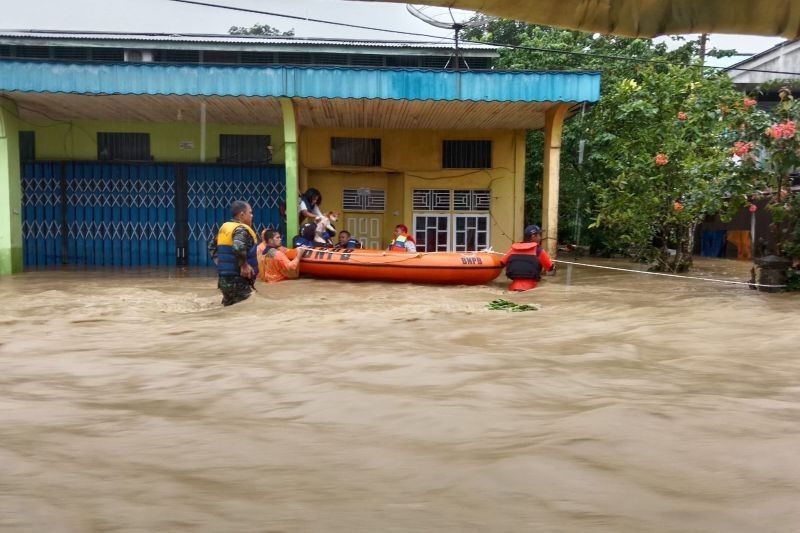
<point x="402" y="242"/>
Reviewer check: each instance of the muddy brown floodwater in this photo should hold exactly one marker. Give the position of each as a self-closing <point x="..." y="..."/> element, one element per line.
<point x="135" y="402"/>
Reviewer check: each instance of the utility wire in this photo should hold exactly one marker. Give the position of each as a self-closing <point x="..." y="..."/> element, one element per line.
<point x="497" y="45"/>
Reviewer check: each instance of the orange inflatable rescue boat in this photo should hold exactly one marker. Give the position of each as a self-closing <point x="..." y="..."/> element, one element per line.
<point x="441" y="268"/>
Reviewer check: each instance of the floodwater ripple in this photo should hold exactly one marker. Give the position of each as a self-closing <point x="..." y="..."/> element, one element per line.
<point x="134" y="402"/>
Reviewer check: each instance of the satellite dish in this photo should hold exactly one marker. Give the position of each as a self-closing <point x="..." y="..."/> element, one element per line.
<point x="449" y="19"/>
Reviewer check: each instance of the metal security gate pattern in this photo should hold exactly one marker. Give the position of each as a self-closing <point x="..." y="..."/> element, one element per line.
<point x="210" y="191"/>
<point x="136" y="214"/>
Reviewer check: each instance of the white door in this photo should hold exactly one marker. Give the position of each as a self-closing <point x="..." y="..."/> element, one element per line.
<point x="366" y="227"/>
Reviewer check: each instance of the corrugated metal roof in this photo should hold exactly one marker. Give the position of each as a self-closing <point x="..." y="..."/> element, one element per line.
<point x="310" y="112"/>
<point x="300" y="82"/>
<point x="38" y="35"/>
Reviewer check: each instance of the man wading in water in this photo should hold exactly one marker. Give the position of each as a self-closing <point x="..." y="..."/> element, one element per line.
<point x="234" y="253"/>
<point x="526" y="261"/>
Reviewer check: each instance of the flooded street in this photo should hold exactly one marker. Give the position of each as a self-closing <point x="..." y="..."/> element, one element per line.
<point x="135" y="402"/>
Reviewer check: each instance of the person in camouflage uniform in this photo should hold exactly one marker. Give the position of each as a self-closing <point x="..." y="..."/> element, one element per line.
<point x="234" y="252"/>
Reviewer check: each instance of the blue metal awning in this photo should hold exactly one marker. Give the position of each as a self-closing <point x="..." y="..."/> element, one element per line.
<point x="298" y="82"/>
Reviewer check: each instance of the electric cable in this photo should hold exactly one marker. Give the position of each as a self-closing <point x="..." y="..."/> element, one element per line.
<point x="487" y="43"/>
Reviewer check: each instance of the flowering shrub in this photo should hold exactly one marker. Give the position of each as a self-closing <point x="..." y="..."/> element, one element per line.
<point x="784" y="130"/>
<point x="656" y="177"/>
<point x="742" y="148"/>
<point x="773" y="134"/>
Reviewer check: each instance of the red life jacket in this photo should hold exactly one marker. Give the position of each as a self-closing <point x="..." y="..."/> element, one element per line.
<point x="524" y="262"/>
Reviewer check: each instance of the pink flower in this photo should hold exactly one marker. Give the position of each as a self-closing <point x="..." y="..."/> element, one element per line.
<point x="749" y="102"/>
<point x="740" y="148"/>
<point x="681" y="115"/>
<point x="753" y="208"/>
<point x="783" y="130"/>
<point x="661" y="159"/>
<point x="775" y="131"/>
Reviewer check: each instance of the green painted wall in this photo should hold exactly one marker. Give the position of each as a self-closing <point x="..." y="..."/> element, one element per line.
<point x="77" y="140"/>
<point x="10" y="191"/>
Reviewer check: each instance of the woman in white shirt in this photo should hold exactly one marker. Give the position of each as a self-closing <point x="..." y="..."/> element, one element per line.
<point x="308" y="206"/>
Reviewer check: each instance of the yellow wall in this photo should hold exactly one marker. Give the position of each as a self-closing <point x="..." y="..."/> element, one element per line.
<point x="412" y="159"/>
<point x="77" y="140"/>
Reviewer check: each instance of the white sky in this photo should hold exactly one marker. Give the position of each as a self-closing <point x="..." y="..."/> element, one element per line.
<point x="163" y="16"/>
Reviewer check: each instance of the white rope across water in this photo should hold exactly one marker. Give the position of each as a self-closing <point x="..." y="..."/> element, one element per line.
<point x="401" y="257"/>
<point x="698" y="278"/>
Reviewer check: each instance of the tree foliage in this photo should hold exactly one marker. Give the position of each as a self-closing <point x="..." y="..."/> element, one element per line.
<point x="768" y="146"/>
<point x="660" y="149"/>
<point x="260" y="29"/>
<point x="619" y="198"/>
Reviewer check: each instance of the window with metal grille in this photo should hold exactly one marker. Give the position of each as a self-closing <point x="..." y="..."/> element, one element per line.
<point x="294" y="58"/>
<point x="471" y="200"/>
<point x="366" y="60"/>
<point x="434" y="61"/>
<point x="479" y="63"/>
<point x="220" y="56"/>
<point x="178" y="56"/>
<point x="258" y="58"/>
<point x="466" y="154"/>
<point x="69" y="52"/>
<point x="432" y="232"/>
<point x="108" y="54"/>
<point x="441" y="221"/>
<point x="5" y="50"/>
<point x="431" y="199"/>
<point x="33" y="52"/>
<point x="353" y="151"/>
<point x="330" y="59"/>
<point x="244" y="149"/>
<point x="402" y="61"/>
<point x="113" y="146"/>
<point x="364" y="199"/>
<point x="470" y="232"/>
<point x="27" y="146"/>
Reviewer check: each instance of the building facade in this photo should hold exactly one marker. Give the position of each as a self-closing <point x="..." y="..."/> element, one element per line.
<point x="126" y="150"/>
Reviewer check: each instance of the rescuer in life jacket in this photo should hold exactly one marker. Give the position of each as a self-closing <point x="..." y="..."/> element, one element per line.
<point x="306" y="236"/>
<point x="273" y="264"/>
<point x="526" y="261"/>
<point x="346" y="241"/>
<point x="234" y="252"/>
<point x="402" y="242"/>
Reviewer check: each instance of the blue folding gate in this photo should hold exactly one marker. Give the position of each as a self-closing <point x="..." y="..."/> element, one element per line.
<point x="42" y="214"/>
<point x="137" y="214"/>
<point x="210" y="191"/>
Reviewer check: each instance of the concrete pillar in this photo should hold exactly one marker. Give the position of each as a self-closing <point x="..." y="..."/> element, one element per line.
<point x="292" y="166"/>
<point x="554" y="122"/>
<point x="520" y="148"/>
<point x="10" y="191"/>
